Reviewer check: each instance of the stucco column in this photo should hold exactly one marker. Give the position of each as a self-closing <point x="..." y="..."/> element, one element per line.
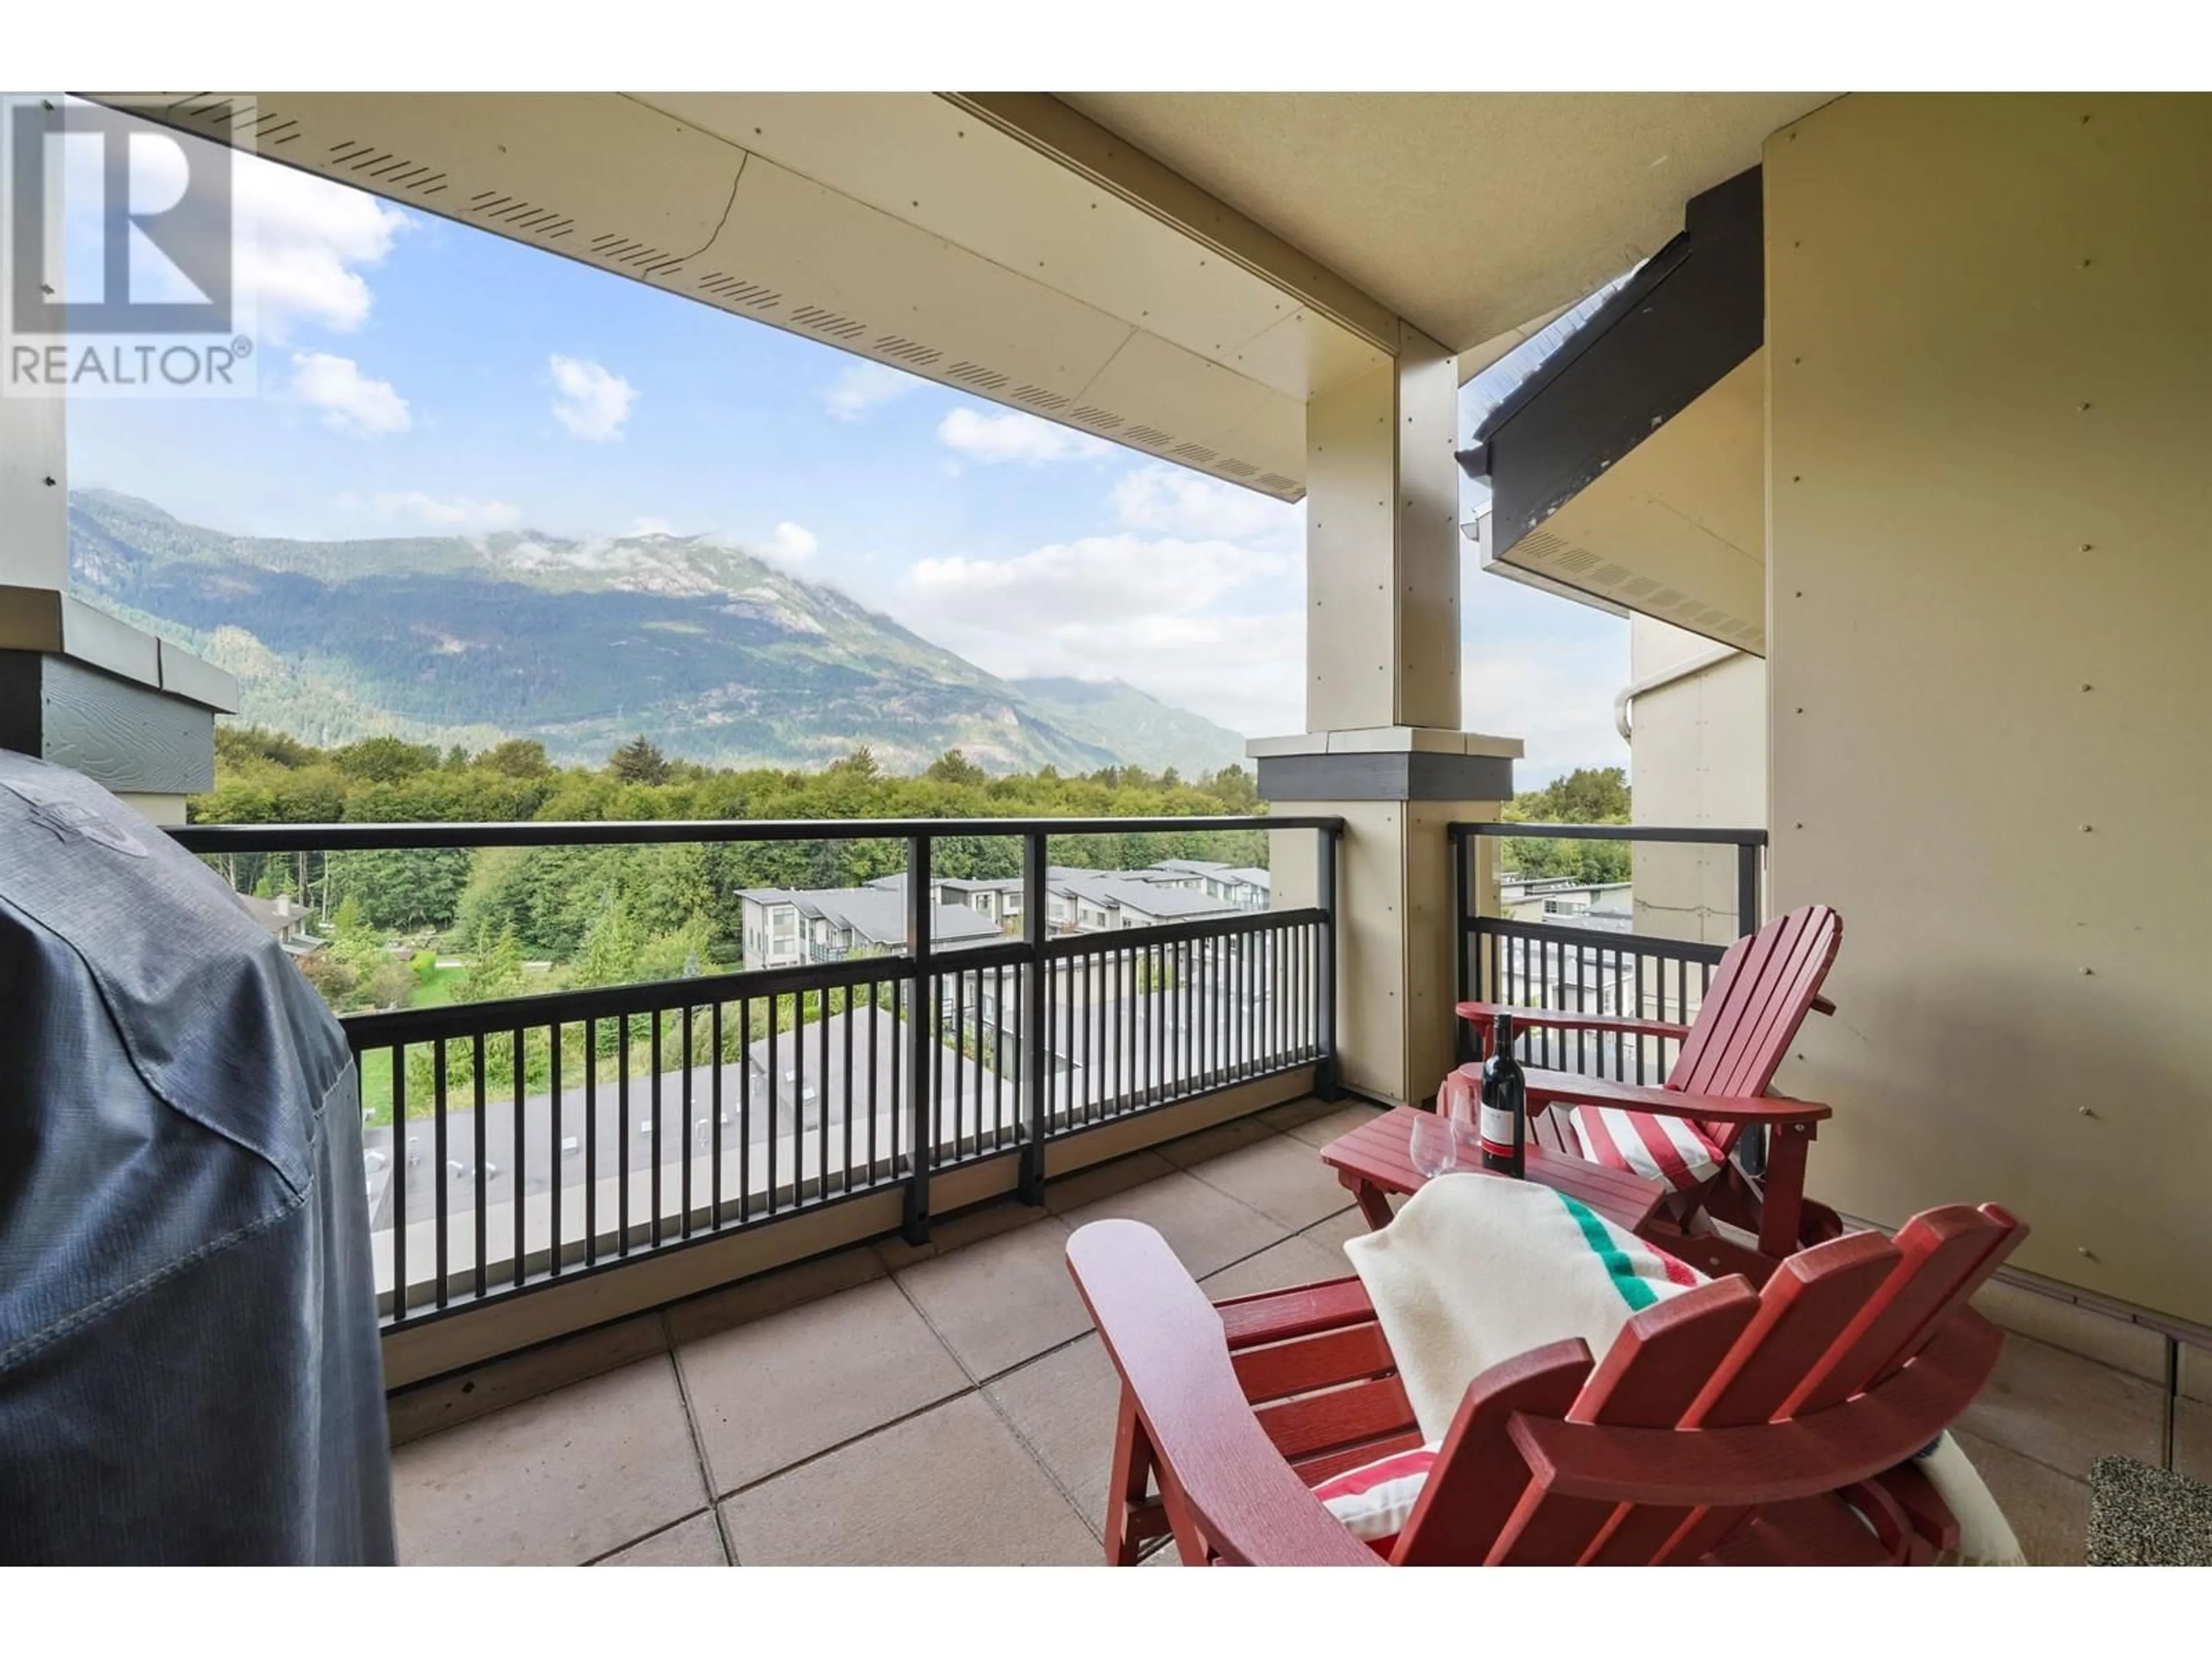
<point x="1383" y="746"/>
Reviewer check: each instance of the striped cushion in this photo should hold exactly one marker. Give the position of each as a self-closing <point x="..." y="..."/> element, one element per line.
<point x="1375" y="1499"/>
<point x="1669" y="1149"/>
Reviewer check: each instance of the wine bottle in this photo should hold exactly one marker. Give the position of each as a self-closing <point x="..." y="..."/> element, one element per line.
<point x="1504" y="1123"/>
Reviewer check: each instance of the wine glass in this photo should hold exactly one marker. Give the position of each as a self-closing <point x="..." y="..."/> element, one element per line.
<point x="1434" y="1148"/>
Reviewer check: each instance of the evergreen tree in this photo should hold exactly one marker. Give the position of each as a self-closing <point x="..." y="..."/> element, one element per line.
<point x="640" y="760"/>
<point x="498" y="972"/>
<point x="608" y="953"/>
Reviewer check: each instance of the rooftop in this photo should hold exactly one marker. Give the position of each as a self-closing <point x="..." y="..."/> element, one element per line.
<point x="878" y="914"/>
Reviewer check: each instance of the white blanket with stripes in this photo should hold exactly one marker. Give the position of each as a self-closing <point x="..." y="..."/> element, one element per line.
<point x="1476" y="1269"/>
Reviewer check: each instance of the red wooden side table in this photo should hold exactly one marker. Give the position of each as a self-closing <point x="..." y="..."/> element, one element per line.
<point x="1376" y="1159"/>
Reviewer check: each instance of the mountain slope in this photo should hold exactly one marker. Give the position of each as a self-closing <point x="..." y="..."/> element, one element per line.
<point x="1135" y="724"/>
<point x="717" y="655"/>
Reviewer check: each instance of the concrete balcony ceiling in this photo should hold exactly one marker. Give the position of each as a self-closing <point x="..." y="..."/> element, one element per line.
<point x="1175" y="272"/>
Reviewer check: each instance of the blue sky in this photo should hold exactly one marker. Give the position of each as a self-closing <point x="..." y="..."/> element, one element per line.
<point x="418" y="376"/>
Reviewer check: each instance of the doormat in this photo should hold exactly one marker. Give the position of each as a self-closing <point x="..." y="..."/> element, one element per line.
<point x="2140" y="1516"/>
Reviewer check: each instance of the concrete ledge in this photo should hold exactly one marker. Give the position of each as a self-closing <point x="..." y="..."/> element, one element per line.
<point x="54" y="624"/>
<point x="1386" y="740"/>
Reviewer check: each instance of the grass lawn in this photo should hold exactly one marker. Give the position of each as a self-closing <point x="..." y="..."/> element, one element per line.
<point x="435" y="991"/>
<point x="376" y="1084"/>
<point x="438" y="989"/>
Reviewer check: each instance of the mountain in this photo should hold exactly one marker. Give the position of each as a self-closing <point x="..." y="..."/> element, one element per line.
<point x="1136" y="724"/>
<point x="717" y="655"/>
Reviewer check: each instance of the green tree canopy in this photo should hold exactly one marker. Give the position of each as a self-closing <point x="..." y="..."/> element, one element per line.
<point x="386" y="760"/>
<point x="953" y="767"/>
<point x="517" y="757"/>
<point x="1588" y="794"/>
<point x="549" y="898"/>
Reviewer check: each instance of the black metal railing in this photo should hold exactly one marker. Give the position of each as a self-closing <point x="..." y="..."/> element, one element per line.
<point x="1582" y="968"/>
<point x="533" y="1139"/>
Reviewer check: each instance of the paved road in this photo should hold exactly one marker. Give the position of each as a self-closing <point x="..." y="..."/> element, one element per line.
<point x="600" y="1133"/>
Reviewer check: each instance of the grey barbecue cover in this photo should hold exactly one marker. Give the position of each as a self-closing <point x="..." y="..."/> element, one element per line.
<point x="189" y="1369"/>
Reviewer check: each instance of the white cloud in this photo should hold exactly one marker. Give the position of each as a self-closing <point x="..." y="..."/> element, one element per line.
<point x="790" y="547"/>
<point x="649" y="526"/>
<point x="1207" y="625"/>
<point x="863" y="386"/>
<point x="1013" y="436"/>
<point x="791" y="544"/>
<point x="299" y="244"/>
<point x="302" y="244"/>
<point x="1179" y="502"/>
<point x="1543" y="669"/>
<point x="1097" y="578"/>
<point x="592" y="402"/>
<point x="1556" y="697"/>
<point x="463" y="515"/>
<point x="349" y="400"/>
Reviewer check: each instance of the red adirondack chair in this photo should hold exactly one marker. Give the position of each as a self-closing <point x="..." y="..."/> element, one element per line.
<point x="1683" y="1131"/>
<point x="1725" y="1425"/>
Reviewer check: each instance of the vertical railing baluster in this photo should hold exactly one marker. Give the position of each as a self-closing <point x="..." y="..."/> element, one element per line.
<point x="1183" y="1008"/>
<point x="988" y="1030"/>
<point x="1556" y="997"/>
<point x="1456" y="843"/>
<point x="1158" y="1007"/>
<point x="484" y="1182"/>
<point x="1325" y="897"/>
<point x="622" y="1126"/>
<point x="799" y="1089"/>
<point x="1035" y="984"/>
<point x="745" y="1109"/>
<point x="521" y="1169"/>
<point x="714" y="1110"/>
<point x="1278" y="957"/>
<point x="775" y="1098"/>
<point x="657" y="1139"/>
<point x="875" y="1014"/>
<point x="443" y="1259"/>
<point x="591" y="1141"/>
<point x="1125" y="1034"/>
<point x="822" y="1095"/>
<point x="896" y="1096"/>
<point x="971" y="1032"/>
<point x="1582" y="1007"/>
<point x="1247" y="1005"/>
<point x="401" y="1166"/>
<point x="560" y="1122"/>
<point x="845" y="1092"/>
<point x="921" y="1037"/>
<point x="684" y="1147"/>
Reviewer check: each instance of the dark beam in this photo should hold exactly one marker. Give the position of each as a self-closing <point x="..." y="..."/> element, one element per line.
<point x="1696" y="309"/>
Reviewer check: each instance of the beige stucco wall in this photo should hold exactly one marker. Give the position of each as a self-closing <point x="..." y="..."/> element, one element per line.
<point x="1698" y="758"/>
<point x="1990" y="331"/>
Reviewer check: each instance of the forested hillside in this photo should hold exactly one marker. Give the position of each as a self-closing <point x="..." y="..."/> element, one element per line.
<point x="721" y="655"/>
<point x="615" y="915"/>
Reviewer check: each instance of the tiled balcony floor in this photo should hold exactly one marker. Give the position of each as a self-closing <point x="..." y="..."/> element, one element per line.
<point x="949" y="1406"/>
<point x="885" y="1405"/>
